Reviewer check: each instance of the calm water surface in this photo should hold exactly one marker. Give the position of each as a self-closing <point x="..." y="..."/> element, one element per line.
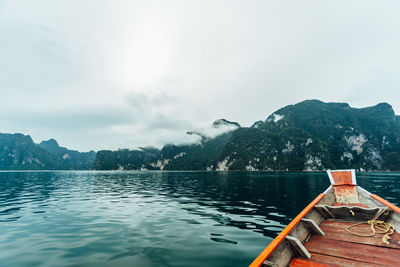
<point x="154" y="218"/>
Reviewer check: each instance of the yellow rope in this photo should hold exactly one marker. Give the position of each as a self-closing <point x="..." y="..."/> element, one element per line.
<point x="377" y="227"/>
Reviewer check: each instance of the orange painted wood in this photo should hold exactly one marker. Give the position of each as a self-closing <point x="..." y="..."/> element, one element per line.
<point x="352" y="251"/>
<point x="342" y="177"/>
<point x="337" y="231"/>
<point x="386" y="203"/>
<point x="275" y="243"/>
<point x="301" y="262"/>
<point x="337" y="262"/>
<point x="350" y="205"/>
<point x="346" y="192"/>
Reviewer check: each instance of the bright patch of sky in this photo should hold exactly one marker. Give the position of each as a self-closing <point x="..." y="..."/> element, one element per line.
<point x="123" y="74"/>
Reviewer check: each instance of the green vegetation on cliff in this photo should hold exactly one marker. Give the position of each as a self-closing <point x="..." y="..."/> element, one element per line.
<point x="310" y="135"/>
<point x="19" y="152"/>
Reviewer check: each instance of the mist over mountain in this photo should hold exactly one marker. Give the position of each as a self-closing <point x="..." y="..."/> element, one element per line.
<point x="310" y="135"/>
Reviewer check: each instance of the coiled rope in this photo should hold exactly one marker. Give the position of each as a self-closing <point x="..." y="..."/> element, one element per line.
<point x="377" y="227"/>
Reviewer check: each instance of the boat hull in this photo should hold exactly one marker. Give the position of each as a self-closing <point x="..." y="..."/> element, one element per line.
<point x="318" y="235"/>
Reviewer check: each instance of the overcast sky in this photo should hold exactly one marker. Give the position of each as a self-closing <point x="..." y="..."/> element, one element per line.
<point x="99" y="74"/>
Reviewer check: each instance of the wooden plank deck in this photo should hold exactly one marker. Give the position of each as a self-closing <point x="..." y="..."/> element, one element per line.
<point x="340" y="248"/>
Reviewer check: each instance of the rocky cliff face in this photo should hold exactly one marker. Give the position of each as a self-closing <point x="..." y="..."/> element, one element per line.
<point x="19" y="152"/>
<point x="311" y="135"/>
<point x="68" y="159"/>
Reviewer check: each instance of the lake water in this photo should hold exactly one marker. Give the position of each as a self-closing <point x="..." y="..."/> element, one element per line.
<point x="154" y="218"/>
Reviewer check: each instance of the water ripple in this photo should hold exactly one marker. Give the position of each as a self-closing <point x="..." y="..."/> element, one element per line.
<point x="153" y="218"/>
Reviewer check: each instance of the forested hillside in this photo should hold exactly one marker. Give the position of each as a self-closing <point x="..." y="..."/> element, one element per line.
<point x="19" y="152"/>
<point x="311" y="135"/>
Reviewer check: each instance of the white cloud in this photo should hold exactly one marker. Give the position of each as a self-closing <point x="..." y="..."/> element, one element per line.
<point x="169" y="67"/>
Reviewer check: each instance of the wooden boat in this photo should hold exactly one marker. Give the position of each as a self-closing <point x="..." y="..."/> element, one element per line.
<point x="344" y="226"/>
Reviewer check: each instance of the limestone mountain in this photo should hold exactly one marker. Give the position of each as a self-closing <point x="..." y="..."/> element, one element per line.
<point x="69" y="159"/>
<point x="19" y="152"/>
<point x="310" y="135"/>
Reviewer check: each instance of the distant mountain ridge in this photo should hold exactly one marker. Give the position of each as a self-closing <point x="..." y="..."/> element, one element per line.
<point x="69" y="159"/>
<point x="310" y="135"/>
<point x="19" y="152"/>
